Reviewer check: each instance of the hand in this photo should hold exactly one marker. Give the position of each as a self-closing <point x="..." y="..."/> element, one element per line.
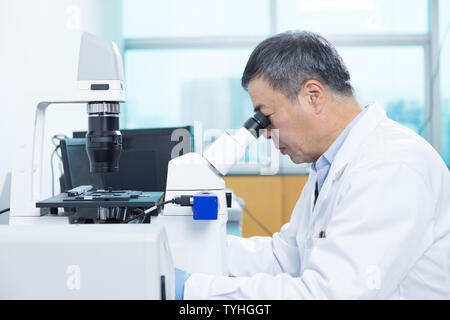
<point x="180" y="279"/>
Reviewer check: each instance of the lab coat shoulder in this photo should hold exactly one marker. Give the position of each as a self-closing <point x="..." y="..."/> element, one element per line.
<point x="391" y="141"/>
<point x="392" y="144"/>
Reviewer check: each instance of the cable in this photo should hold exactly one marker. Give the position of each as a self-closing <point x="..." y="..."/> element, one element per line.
<point x="53" y="170"/>
<point x="55" y="139"/>
<point x="266" y="230"/>
<point x="141" y="213"/>
<point x="4" y="210"/>
<point x="187" y="200"/>
<point x="147" y="211"/>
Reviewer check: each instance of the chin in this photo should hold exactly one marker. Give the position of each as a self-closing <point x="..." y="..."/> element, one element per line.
<point x="297" y="159"/>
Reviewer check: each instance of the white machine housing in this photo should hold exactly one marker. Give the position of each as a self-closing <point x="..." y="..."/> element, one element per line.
<point x="199" y="245"/>
<point x="62" y="261"/>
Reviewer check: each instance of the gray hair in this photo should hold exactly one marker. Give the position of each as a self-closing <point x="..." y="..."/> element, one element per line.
<point x="289" y="59"/>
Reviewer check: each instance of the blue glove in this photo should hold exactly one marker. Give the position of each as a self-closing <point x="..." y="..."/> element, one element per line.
<point x="180" y="279"/>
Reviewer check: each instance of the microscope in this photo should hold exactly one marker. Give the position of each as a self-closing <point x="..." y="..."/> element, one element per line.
<point x="43" y="254"/>
<point x="99" y="85"/>
<point x="66" y="258"/>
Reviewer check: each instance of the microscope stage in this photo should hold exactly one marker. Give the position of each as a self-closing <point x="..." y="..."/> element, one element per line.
<point x="103" y="198"/>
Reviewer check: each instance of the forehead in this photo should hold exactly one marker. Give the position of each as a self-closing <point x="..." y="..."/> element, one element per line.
<point x="258" y="87"/>
<point x="263" y="95"/>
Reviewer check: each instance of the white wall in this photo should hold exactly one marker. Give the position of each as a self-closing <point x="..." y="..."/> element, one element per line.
<point x="34" y="55"/>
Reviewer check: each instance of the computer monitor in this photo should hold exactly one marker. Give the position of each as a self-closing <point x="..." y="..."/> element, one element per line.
<point x="143" y="162"/>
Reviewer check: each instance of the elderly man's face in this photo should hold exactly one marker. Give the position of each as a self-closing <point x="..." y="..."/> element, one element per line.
<point x="296" y="122"/>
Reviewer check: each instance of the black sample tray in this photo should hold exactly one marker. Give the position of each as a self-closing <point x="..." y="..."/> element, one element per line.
<point x="103" y="198"/>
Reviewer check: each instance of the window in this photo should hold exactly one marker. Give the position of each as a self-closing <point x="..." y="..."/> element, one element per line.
<point x="200" y="18"/>
<point x="184" y="61"/>
<point x="354" y="16"/>
<point x="444" y="75"/>
<point x="181" y="86"/>
<point x="393" y="76"/>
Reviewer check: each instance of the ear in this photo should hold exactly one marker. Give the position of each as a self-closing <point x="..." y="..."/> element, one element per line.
<point x="313" y="93"/>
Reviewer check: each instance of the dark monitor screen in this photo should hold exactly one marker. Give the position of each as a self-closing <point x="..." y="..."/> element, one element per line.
<point x="142" y="165"/>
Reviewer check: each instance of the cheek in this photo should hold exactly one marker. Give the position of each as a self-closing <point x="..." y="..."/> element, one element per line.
<point x="284" y="133"/>
<point x="275" y="137"/>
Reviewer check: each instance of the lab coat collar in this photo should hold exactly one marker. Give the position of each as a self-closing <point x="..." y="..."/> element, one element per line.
<point x="369" y="121"/>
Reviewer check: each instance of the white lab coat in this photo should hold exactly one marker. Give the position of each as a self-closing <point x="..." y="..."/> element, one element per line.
<point x="385" y="210"/>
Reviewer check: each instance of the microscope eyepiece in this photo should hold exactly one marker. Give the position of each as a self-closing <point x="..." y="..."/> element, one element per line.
<point x="256" y="123"/>
<point x="103" y="139"/>
<point x="228" y="149"/>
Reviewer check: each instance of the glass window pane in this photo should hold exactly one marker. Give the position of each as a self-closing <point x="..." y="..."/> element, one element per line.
<point x="187" y="87"/>
<point x="353" y="16"/>
<point x="444" y="18"/>
<point x="393" y="76"/>
<point x="179" y="87"/>
<point x="180" y="18"/>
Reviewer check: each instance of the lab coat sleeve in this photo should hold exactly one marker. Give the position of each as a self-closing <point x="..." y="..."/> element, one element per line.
<point x="270" y="255"/>
<point x="375" y="235"/>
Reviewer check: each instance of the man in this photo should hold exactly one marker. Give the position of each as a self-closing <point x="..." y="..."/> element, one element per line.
<point x="373" y="220"/>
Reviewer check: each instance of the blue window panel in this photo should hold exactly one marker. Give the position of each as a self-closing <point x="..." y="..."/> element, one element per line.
<point x="179" y="87"/>
<point x="182" y="18"/>
<point x="353" y="16"/>
<point x="444" y="74"/>
<point x="392" y="76"/>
